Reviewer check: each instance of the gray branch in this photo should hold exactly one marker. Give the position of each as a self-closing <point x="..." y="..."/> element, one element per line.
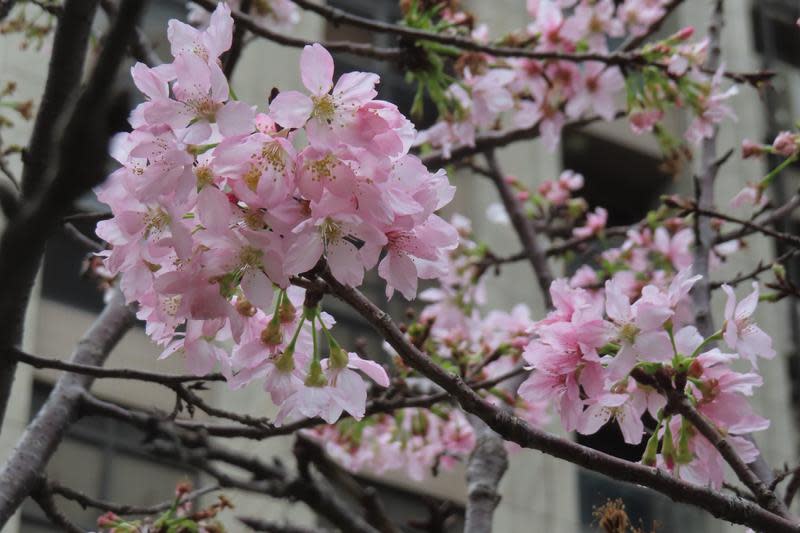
<point x="22" y="472"/>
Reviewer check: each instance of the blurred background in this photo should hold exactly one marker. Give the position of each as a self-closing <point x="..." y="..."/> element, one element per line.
<point x="623" y="172"/>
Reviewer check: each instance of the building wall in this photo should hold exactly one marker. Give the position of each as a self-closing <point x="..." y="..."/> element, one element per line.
<point x="537" y="490"/>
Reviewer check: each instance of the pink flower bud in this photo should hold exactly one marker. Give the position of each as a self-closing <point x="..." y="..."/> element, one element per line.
<point x="685" y="33"/>
<point x="107" y="520"/>
<point x="523" y="195"/>
<point x="786" y="143"/>
<point x="751" y="149"/>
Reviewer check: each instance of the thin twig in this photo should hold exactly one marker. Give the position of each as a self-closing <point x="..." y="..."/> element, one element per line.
<point x="44" y="498"/>
<point x="254" y="26"/>
<point x="86" y="501"/>
<point x="524" y="229"/>
<point x="111" y="373"/>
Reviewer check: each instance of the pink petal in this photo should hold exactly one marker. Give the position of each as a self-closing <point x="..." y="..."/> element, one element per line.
<point x="291" y="109"/>
<point x="370" y="368"/>
<point x="316" y="69"/>
<point x="258" y="289"/>
<point x="236" y="118"/>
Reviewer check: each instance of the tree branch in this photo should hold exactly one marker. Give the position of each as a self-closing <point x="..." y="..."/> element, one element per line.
<point x="704" y="195"/>
<point x="44" y="498"/>
<point x="366" y="496"/>
<point x="73" y="156"/>
<point x="20" y="474"/>
<point x="257" y="524"/>
<point x="524" y="228"/>
<point x="111" y="373"/>
<point x="764" y="496"/>
<point x="319" y="498"/>
<point x="20" y="254"/>
<point x="516" y="430"/>
<point x="237" y="46"/>
<point x="486" y="466"/>
<point x="86" y="501"/>
<point x="497" y="139"/>
<point x="360" y="49"/>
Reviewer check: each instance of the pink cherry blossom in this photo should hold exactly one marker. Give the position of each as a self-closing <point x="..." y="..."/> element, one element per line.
<point x="740" y="331"/>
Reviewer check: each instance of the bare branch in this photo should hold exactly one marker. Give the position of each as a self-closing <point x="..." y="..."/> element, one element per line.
<point x="86" y="501"/>
<point x="111" y="373"/>
<point x="63" y="162"/>
<point x="769" y="218"/>
<point x="250" y="23"/>
<point x="524" y="229"/>
<point x="20" y="474"/>
<point x="257" y="524"/>
<point x="20" y="252"/>
<point x="704" y="195"/>
<point x="496" y="139"/>
<point x="44" y="498"/>
<point x="760" y="269"/>
<point x="317" y="496"/>
<point x="486" y="466"/>
<point x="238" y="44"/>
<point x="366" y="496"/>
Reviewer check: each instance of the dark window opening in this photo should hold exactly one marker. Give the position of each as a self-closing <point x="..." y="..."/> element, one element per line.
<point x="626" y="182"/>
<point x="774" y="20"/>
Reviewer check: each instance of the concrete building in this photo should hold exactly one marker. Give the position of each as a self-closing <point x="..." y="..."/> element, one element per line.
<point x="539" y="492"/>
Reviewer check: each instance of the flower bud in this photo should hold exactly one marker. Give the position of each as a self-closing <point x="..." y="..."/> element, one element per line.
<point x="685" y="33"/>
<point x="751" y="149"/>
<point x="316" y="378"/>
<point x="695" y="369"/>
<point x="649" y="457"/>
<point x="272" y="335"/>
<point x="108" y="520"/>
<point x="245" y="308"/>
<point x="338" y="357"/>
<point x="287" y="313"/>
<point x="785" y="144"/>
<point x="183" y="488"/>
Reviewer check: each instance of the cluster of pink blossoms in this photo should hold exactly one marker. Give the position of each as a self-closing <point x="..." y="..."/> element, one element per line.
<point x="523" y="92"/>
<point x="587" y="347"/>
<point x="423" y="440"/>
<point x="216" y="207"/>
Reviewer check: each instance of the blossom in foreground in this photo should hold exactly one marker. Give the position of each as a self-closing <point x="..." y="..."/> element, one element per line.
<point x="216" y="206"/>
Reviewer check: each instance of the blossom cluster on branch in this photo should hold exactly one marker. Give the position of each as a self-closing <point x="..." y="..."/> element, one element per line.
<point x="548" y="92"/>
<point x="458" y="334"/>
<point x="217" y="206"/>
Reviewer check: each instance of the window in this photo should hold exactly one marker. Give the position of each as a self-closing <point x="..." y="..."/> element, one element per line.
<point x="628" y="191"/>
<point x="103" y="459"/>
<point x="774" y="29"/>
